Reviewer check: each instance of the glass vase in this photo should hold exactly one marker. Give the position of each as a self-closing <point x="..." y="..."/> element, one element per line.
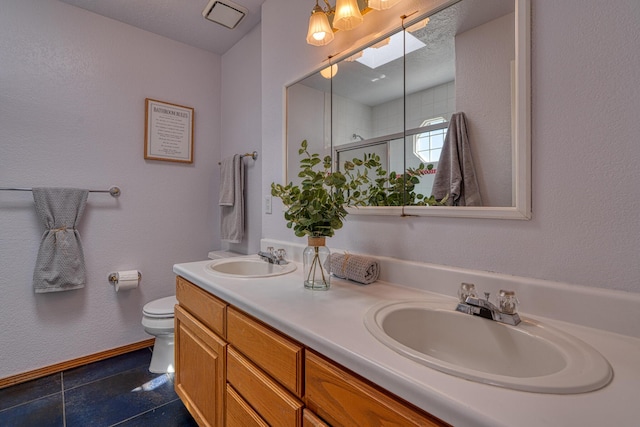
<point x="314" y="256"/>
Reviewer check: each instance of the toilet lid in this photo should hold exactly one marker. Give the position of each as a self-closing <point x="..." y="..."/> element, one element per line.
<point x="162" y="307"/>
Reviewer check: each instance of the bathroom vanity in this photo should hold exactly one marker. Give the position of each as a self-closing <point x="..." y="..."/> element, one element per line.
<point x="266" y="351"/>
<point x="234" y="370"/>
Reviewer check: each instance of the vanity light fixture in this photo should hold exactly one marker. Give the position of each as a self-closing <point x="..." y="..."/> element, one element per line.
<point x="347" y="15"/>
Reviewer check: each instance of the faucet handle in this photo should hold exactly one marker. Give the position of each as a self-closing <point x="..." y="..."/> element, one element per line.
<point x="507" y="301"/>
<point x="270" y="249"/>
<point x="280" y="253"/>
<point x="466" y="290"/>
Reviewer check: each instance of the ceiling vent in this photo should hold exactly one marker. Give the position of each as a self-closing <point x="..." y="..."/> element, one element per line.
<point x="225" y="13"/>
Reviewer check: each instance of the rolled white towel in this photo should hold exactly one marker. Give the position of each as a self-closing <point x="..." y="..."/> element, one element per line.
<point x="361" y="269"/>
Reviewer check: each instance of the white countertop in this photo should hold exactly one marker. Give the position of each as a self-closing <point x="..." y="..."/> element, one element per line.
<point x="332" y="323"/>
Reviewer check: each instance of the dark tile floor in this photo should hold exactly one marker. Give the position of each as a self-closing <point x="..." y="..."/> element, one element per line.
<point x="115" y="392"/>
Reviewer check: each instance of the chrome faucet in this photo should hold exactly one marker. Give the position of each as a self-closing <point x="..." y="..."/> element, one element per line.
<point x="274" y="256"/>
<point x="471" y="304"/>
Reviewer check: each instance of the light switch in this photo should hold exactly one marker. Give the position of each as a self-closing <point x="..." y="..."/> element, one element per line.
<point x="267" y="205"/>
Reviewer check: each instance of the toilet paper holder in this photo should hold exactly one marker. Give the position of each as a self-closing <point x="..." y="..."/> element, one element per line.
<point x="113" y="278"/>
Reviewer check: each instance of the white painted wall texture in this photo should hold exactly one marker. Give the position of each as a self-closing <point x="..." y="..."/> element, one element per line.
<point x="586" y="198"/>
<point x="72" y="91"/>
<point x="241" y="126"/>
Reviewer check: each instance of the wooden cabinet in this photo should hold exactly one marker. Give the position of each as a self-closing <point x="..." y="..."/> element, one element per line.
<point x="200" y="379"/>
<point x="343" y="399"/>
<point x="234" y="370"/>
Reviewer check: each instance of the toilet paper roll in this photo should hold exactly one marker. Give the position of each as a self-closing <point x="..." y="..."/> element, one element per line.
<point x="127" y="280"/>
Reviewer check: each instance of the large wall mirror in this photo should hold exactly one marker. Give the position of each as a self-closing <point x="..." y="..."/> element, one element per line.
<point x="443" y="101"/>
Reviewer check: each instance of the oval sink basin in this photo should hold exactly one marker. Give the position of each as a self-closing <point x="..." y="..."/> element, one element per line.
<point x="247" y="268"/>
<point x="529" y="357"/>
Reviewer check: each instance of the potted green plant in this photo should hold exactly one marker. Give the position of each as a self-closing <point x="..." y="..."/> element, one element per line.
<point x="315" y="208"/>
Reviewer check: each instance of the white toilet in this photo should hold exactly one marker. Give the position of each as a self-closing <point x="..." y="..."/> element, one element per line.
<point x="157" y="319"/>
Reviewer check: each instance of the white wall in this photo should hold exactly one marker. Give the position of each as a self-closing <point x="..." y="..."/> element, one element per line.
<point x="72" y="112"/>
<point x="585" y="227"/>
<point x="241" y="129"/>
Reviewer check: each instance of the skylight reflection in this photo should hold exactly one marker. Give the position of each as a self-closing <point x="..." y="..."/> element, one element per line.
<point x="374" y="57"/>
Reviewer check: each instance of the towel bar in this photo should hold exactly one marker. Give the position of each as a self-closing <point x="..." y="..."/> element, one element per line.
<point x="114" y="191"/>
<point x="253" y="155"/>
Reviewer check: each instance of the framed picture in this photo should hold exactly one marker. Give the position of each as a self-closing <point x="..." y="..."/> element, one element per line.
<point x="168" y="132"/>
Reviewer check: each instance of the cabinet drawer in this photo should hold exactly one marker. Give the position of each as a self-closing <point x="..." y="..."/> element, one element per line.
<point x="309" y="419"/>
<point x="271" y="401"/>
<point x="205" y="307"/>
<point x="240" y="413"/>
<point x="342" y="399"/>
<point x="276" y="354"/>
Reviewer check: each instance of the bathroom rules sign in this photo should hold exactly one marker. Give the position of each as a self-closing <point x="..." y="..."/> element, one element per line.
<point x="168" y="132"/>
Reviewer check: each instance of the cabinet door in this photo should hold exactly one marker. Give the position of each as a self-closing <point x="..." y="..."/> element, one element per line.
<point x="200" y="369"/>
<point x="342" y="399"/>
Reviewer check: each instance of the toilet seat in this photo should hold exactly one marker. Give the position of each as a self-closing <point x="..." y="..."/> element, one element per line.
<point x="161" y="308"/>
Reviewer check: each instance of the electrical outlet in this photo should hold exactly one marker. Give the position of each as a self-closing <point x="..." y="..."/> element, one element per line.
<point x="267" y="205"/>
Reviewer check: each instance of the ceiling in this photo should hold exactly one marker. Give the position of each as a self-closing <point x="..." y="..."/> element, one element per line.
<point x="180" y="20"/>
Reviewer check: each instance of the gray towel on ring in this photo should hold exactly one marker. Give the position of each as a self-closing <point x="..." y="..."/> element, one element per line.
<point x="232" y="216"/>
<point x="358" y="268"/>
<point x="60" y="262"/>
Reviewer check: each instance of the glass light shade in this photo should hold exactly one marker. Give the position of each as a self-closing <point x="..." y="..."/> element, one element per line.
<point x="329" y="72"/>
<point x="347" y="15"/>
<point x="320" y="32"/>
<point x="382" y="4"/>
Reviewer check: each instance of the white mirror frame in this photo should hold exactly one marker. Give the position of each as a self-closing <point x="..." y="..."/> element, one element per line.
<point x="521" y="146"/>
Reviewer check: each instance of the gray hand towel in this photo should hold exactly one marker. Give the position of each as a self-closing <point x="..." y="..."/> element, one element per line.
<point x="60" y="262"/>
<point x="361" y="269"/>
<point x="455" y="175"/>
<point x="227" y="181"/>
<point x="232" y="221"/>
